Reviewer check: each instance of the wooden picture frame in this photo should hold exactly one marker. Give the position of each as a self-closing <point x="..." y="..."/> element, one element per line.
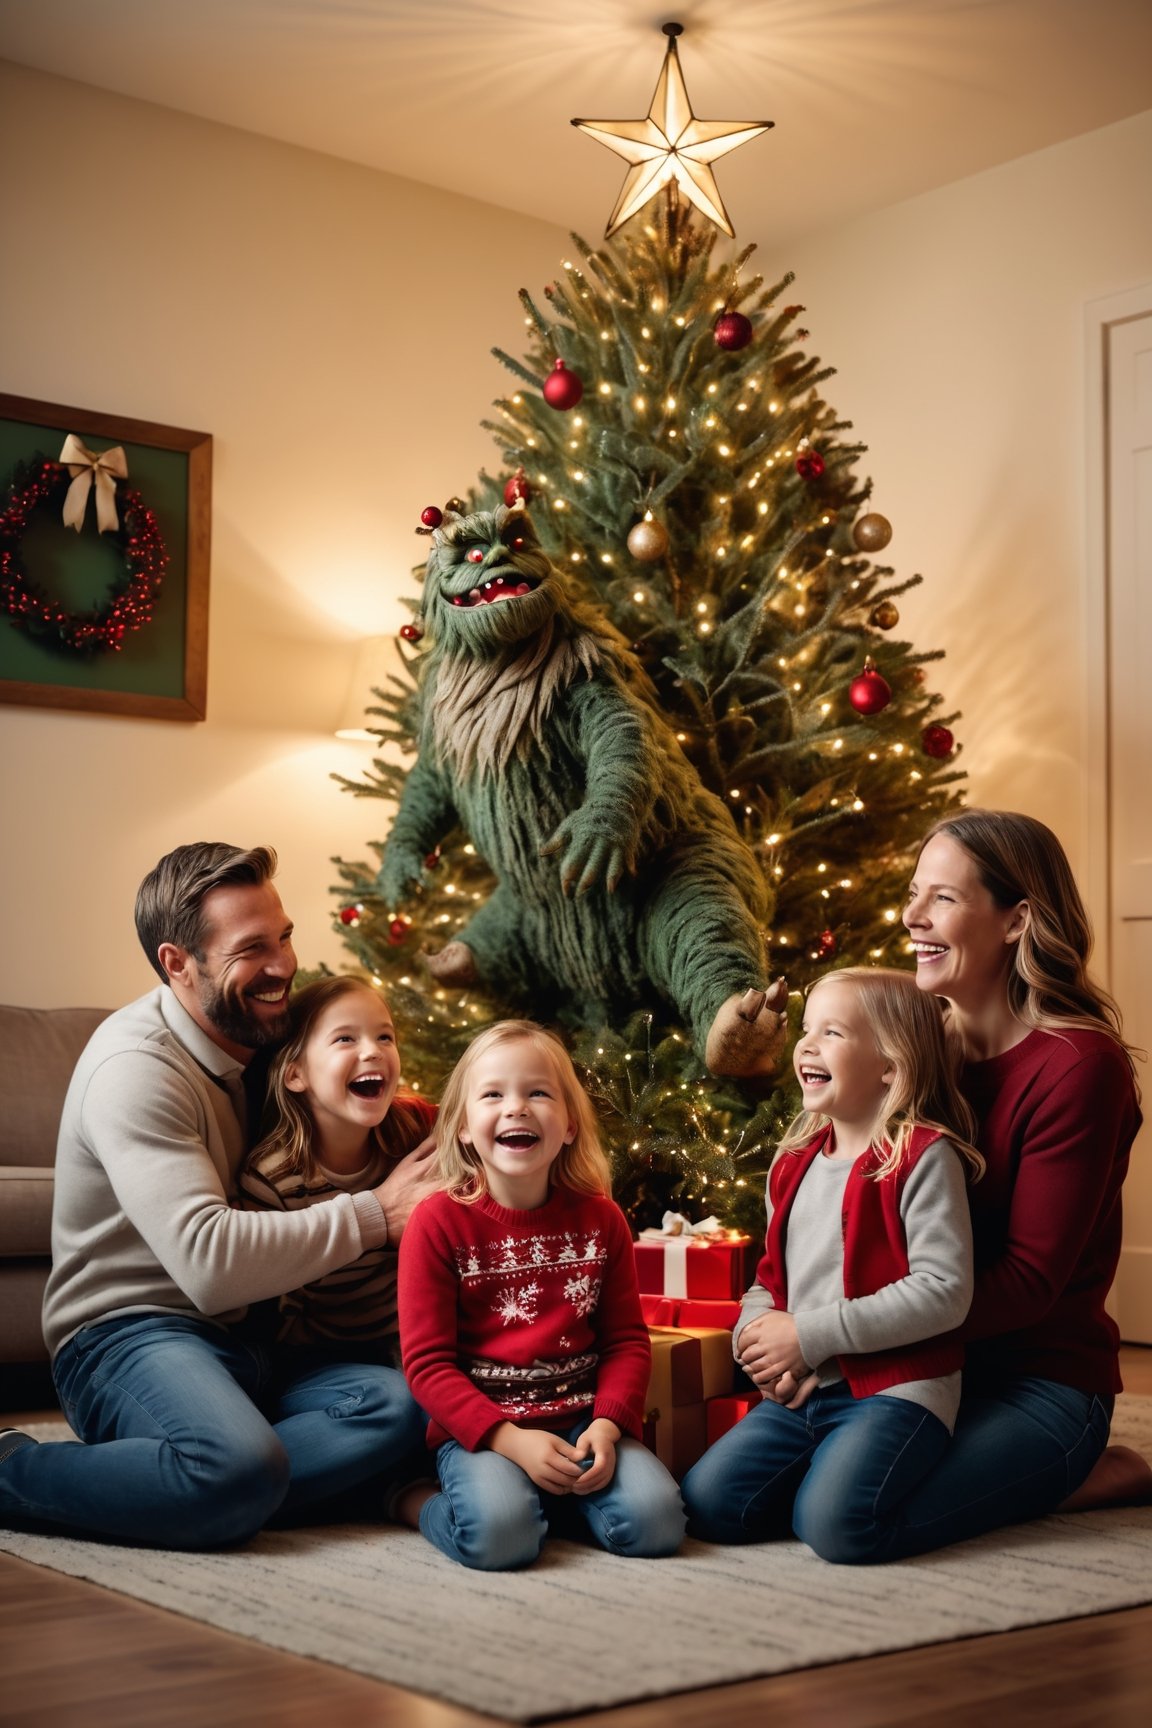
<point x="161" y="670"/>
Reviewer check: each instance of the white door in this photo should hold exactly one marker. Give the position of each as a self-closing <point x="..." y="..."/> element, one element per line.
<point x="1128" y="364"/>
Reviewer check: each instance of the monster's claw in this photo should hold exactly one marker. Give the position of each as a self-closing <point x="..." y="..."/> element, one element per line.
<point x="453" y="964"/>
<point x="748" y="1034"/>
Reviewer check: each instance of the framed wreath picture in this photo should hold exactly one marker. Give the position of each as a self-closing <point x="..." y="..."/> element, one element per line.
<point x="105" y="527"/>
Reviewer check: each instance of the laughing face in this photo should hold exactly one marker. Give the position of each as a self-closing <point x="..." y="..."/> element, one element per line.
<point x="516" y="1121"/>
<point x="840" y="1069"/>
<point x="488" y="585"/>
<point x="963" y="940"/>
<point x="236" y="987"/>
<point x="349" y="1067"/>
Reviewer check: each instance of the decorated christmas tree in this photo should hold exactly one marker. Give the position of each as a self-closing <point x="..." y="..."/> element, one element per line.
<point x="668" y="438"/>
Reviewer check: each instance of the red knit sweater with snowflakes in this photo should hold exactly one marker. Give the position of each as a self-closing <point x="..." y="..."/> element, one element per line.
<point x="526" y="1316"/>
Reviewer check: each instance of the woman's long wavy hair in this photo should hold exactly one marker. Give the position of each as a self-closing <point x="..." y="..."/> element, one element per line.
<point x="1049" y="986"/>
<point x="908" y="1027"/>
<point x="287" y="1127"/>
<point x="582" y="1165"/>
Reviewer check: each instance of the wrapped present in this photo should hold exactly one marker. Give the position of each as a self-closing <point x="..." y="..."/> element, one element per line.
<point x="659" y="1310"/>
<point x="694" y="1260"/>
<point x="689" y="1364"/>
<point x="724" y="1413"/>
<point x="690" y="1313"/>
<point x="677" y="1375"/>
<point x="677" y="1434"/>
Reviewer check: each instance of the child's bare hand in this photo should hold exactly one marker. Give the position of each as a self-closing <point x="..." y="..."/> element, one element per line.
<point x="597" y="1442"/>
<point x="769" y="1347"/>
<point x="543" y="1456"/>
<point x="791" y="1390"/>
<point x="415" y="1176"/>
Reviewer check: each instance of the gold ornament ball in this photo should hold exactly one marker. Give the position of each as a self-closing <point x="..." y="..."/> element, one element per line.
<point x="648" y="541"/>
<point x="884" y="616"/>
<point x="872" y="532"/>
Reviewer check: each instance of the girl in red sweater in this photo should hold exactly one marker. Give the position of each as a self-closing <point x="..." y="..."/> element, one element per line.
<point x="520" y="1322"/>
<point x="867" y="1269"/>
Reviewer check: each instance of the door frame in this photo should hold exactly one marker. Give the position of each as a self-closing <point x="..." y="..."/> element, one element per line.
<point x="1099" y="317"/>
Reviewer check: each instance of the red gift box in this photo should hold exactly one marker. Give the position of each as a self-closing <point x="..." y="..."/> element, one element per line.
<point x="660" y="1310"/>
<point x="690" y="1313"/>
<point x="724" y="1413"/>
<point x="713" y="1267"/>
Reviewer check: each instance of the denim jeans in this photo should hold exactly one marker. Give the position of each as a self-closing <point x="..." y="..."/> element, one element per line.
<point x="193" y="1436"/>
<point x="878" y="1479"/>
<point x="490" y="1515"/>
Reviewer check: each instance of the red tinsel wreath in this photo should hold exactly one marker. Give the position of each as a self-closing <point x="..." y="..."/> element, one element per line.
<point x="24" y="601"/>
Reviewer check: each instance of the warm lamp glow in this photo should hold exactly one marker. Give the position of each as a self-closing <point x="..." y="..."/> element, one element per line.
<point x="377" y="659"/>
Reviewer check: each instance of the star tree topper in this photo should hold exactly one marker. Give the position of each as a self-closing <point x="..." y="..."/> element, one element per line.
<point x="670" y="147"/>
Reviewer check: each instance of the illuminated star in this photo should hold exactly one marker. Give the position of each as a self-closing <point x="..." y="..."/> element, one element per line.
<point x="671" y="147"/>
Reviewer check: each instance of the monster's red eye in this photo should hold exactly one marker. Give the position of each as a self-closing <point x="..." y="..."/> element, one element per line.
<point x="518" y="543"/>
<point x="474" y="555"/>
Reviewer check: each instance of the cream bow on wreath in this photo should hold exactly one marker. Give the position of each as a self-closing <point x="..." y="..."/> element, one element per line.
<point x="85" y="466"/>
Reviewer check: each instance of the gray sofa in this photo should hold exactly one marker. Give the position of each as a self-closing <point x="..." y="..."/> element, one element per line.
<point x="38" y="1051"/>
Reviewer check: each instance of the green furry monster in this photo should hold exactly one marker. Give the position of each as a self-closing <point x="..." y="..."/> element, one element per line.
<point x="617" y="870"/>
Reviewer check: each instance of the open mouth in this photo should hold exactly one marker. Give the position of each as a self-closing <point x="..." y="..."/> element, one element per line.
<point x="497" y="588"/>
<point x="928" y="950"/>
<point x="518" y="1140"/>
<point x="367" y="1086"/>
<point x="815" y="1076"/>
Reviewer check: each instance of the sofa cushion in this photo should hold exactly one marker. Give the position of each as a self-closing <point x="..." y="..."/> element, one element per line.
<point x="25" y="1212"/>
<point x="39" y="1048"/>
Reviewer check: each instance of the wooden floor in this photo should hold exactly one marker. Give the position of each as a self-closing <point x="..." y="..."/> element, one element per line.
<point x="73" y="1654"/>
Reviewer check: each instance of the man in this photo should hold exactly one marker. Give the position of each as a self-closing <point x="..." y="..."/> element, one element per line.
<point x="195" y="1429"/>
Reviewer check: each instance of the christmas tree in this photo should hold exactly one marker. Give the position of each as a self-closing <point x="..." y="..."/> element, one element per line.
<point x="668" y="435"/>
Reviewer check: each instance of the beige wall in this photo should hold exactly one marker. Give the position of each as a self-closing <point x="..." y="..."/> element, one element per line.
<point x="956" y="322"/>
<point x="331" y="328"/>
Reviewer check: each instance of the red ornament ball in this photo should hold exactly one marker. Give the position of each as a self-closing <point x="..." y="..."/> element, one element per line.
<point x="350" y="916"/>
<point x="431" y="517"/>
<point x="937" y="741"/>
<point x="563" y="389"/>
<point x="826" y="944"/>
<point x="732" y="331"/>
<point x="868" y="691"/>
<point x="398" y="931"/>
<point x="810" y="465"/>
<point x="432" y="859"/>
<point x="411" y="633"/>
<point x="518" y="491"/>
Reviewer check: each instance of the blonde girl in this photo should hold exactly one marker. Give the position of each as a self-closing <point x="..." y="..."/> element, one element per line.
<point x="867" y="1270"/>
<point x="521" y="1325"/>
<point x="336" y="1122"/>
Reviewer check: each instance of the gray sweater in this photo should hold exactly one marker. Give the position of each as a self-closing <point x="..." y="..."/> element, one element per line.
<point x="151" y="1141"/>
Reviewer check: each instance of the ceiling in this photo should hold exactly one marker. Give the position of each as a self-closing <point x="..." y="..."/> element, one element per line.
<point x="873" y="100"/>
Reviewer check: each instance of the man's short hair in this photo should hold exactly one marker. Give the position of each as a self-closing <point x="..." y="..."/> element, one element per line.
<point x="169" y="904"/>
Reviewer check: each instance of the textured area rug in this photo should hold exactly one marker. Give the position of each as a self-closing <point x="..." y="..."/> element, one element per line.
<point x="581" y="1630"/>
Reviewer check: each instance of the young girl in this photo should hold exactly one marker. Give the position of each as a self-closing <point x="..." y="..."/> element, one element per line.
<point x="867" y="1268"/>
<point x="521" y="1325"/>
<point x="334" y="1122"/>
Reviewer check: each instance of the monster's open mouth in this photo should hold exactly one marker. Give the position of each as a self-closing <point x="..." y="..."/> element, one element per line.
<point x="497" y="588"/>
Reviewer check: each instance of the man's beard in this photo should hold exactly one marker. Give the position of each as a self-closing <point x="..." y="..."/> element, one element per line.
<point x="233" y="1021"/>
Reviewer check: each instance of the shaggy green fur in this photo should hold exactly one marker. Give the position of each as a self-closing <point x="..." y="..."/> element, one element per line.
<point x="618" y="871"/>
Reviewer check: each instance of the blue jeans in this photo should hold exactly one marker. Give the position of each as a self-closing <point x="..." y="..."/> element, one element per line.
<point x="1017" y="1452"/>
<point x="490" y="1515"/>
<point x="194" y="1436"/>
<point x="836" y="1469"/>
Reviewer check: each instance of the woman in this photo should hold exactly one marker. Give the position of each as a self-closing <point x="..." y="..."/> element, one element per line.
<point x="1000" y="932"/>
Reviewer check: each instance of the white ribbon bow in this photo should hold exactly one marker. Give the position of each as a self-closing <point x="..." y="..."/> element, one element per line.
<point x="85" y="466"/>
<point x="675" y="1224"/>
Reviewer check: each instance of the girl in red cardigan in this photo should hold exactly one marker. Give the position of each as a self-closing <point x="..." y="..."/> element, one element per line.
<point x="867" y="1269"/>
<point x="521" y="1326"/>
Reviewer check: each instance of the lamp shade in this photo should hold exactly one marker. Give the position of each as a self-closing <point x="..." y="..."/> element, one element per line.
<point x="377" y="658"/>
